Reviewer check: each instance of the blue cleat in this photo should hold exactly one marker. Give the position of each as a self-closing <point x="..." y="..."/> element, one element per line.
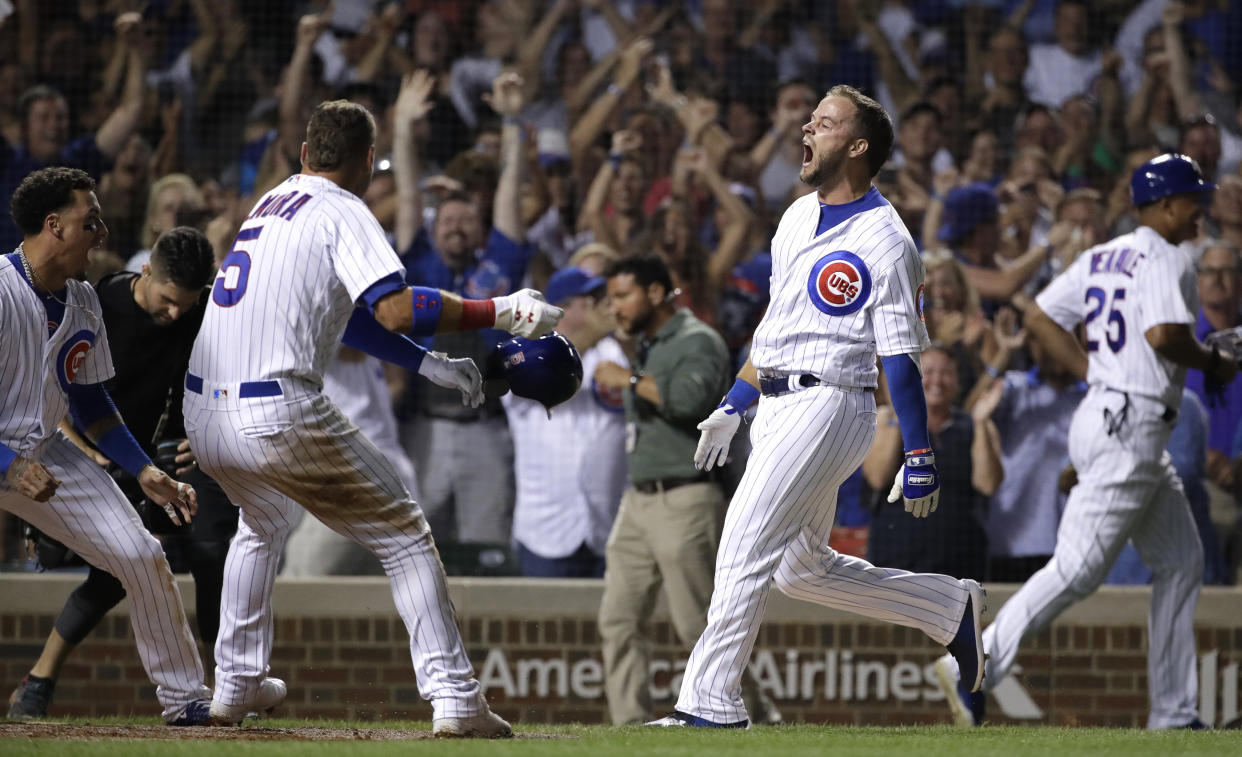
<point x="680" y="719"/>
<point x="967" y="645"/>
<point x="196" y="713"/>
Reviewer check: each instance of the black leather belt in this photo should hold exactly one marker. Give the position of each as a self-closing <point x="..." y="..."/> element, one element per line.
<point x="775" y="387"/>
<point x="657" y="485"/>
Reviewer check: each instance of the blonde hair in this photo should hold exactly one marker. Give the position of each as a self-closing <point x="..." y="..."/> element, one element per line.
<point x="941" y="257"/>
<point x="591" y="249"/>
<point x="171" y="181"/>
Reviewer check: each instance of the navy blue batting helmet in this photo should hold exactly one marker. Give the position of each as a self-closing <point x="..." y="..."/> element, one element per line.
<point x="547" y="370"/>
<point x="1167" y="175"/>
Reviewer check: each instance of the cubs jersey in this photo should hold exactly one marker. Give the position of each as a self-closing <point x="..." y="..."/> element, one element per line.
<point x="285" y="291"/>
<point x="37" y="370"/>
<point x="1119" y="290"/>
<point x="843" y="296"/>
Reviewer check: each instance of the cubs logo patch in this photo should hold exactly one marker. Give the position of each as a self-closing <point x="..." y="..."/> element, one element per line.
<point x="839" y="283"/>
<point x="71" y="357"/>
<point x="517" y="357"/>
<point x="612" y="400"/>
<point x="918" y="302"/>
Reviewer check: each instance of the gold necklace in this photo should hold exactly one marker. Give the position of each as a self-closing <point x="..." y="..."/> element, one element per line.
<point x="35" y="280"/>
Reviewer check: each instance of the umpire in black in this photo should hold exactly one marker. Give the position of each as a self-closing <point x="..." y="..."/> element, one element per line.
<point x="152" y="319"/>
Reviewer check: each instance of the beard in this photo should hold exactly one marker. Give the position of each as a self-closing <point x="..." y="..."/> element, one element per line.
<point x="822" y="167"/>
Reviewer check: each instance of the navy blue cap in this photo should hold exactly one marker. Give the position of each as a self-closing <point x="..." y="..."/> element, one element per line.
<point x="571" y="282"/>
<point x="965" y="208"/>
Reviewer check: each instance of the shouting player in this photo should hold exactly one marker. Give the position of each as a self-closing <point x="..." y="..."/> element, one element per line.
<point x="310" y="269"/>
<point x="846" y="285"/>
<point x="56" y="359"/>
<point x="1138" y="298"/>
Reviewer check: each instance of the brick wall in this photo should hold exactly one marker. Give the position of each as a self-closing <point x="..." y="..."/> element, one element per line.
<point x="345" y="654"/>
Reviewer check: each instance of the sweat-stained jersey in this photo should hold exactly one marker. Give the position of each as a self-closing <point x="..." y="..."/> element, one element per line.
<point x="842" y="297"/>
<point x="286" y="290"/>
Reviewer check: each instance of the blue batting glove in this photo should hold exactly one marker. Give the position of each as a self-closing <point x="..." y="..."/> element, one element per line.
<point x="918" y="483"/>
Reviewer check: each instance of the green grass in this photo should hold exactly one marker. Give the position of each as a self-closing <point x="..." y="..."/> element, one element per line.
<point x="600" y="741"/>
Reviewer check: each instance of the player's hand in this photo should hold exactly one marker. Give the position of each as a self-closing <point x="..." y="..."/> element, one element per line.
<point x="179" y="500"/>
<point x="31" y="479"/>
<point x="454" y="373"/>
<point x="185" y="459"/>
<point x="718" y="430"/>
<point x="525" y="313"/>
<point x="919" y="484"/>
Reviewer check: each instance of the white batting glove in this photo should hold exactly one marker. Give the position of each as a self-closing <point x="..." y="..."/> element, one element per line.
<point x="718" y="430"/>
<point x="454" y="373"/>
<point x="525" y="313"/>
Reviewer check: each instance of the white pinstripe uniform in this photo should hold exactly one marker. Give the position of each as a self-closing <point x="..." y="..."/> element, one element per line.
<point x="306" y="253"/>
<point x="570" y="469"/>
<point x="838" y="300"/>
<point x="88" y="512"/>
<point x="357" y="388"/>
<point x="1127" y="488"/>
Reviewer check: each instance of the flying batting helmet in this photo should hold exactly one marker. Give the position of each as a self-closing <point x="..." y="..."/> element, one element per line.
<point x="1166" y="175"/>
<point x="547" y="370"/>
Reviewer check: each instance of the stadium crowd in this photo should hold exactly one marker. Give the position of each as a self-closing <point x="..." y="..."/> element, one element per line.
<point x="539" y="142"/>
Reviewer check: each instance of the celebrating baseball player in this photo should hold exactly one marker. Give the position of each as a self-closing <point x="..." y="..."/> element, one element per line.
<point x="846" y="285"/>
<point x="1138" y="299"/>
<point x="310" y="269"/>
<point x="56" y="359"/>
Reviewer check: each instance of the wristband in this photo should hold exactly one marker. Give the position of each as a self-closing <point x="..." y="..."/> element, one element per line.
<point x="426" y="305"/>
<point x="634" y="379"/>
<point x="511" y="121"/>
<point x="615" y="158"/>
<point x="7" y="456"/>
<point x="614" y="89"/>
<point x="477" y="314"/>
<point x="991" y="370"/>
<point x="742" y="395"/>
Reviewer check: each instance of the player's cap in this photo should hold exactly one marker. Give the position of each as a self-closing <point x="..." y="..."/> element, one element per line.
<point x="547" y="370"/>
<point x="965" y="208"/>
<point x="1167" y="175"/>
<point x="571" y="282"/>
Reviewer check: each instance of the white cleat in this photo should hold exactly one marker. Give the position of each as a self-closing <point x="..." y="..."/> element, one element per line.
<point x="485" y="725"/>
<point x="272" y="693"/>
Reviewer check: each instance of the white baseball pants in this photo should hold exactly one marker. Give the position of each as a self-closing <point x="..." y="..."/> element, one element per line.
<point x="1127" y="489"/>
<point x="274" y="454"/>
<point x="91" y="516"/>
<point x="805" y="445"/>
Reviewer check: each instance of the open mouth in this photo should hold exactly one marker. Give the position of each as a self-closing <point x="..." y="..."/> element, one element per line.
<point x="807" y="155"/>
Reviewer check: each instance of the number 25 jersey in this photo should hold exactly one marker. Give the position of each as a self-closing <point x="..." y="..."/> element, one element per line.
<point x="1119" y="290"/>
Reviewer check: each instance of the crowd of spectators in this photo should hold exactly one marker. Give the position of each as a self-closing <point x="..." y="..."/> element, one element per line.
<point x="522" y="138"/>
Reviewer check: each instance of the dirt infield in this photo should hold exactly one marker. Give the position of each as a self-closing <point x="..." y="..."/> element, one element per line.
<point x="88" y="732"/>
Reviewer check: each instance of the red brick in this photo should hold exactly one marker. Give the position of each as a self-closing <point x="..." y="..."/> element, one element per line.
<point x="323" y="675"/>
<point x="1081" y="681"/>
<point x="1120" y="662"/>
<point x="365" y="654"/>
<point x="1129" y="702"/>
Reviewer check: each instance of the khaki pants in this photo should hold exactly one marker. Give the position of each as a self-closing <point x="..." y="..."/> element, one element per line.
<point x="668" y="539"/>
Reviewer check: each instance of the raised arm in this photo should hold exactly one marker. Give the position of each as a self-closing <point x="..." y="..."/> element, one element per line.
<point x="591" y="124"/>
<point x="507" y="100"/>
<point x="386" y="24"/>
<point x="735" y="234"/>
<point x="1189" y="104"/>
<point x="412" y="105"/>
<point x="295" y="83"/>
<point x="986" y="471"/>
<point x="529" y="63"/>
<point x="123" y="122"/>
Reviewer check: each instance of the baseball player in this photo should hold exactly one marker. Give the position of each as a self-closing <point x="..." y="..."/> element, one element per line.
<point x="56" y="359"/>
<point x="846" y="285"/>
<point x="1138" y="299"/>
<point x="311" y="268"/>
